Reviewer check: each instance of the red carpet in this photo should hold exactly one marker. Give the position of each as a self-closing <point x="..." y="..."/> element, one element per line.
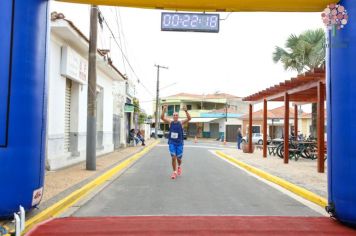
<point x="193" y="225"/>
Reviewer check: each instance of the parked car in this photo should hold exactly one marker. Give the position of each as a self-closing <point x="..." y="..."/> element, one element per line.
<point x="257" y="138"/>
<point x="159" y="133"/>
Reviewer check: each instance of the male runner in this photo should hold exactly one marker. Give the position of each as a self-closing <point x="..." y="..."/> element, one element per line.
<point x="175" y="139"/>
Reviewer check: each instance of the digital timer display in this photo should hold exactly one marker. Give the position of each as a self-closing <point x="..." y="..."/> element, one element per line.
<point x="173" y="21"/>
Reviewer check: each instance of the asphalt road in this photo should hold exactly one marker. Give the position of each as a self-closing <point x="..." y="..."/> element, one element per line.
<point x="208" y="186"/>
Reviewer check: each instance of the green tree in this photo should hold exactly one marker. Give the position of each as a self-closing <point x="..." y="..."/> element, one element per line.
<point x="136" y="104"/>
<point x="141" y="114"/>
<point x="303" y="53"/>
<point x="142" y="117"/>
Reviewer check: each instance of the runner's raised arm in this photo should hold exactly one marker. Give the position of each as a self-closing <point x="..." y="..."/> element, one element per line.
<point x="163" y="117"/>
<point x="187" y="114"/>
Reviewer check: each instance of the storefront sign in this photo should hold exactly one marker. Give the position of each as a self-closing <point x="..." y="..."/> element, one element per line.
<point x="129" y="108"/>
<point x="73" y="66"/>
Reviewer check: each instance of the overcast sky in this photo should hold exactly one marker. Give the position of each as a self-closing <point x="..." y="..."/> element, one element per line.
<point x="237" y="60"/>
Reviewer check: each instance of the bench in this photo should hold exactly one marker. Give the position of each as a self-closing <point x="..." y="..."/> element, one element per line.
<point x="272" y="149"/>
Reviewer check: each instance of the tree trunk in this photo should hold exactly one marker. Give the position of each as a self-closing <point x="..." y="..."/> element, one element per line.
<point x="314" y="120"/>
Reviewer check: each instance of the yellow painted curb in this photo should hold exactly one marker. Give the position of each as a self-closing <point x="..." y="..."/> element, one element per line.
<point x="281" y="182"/>
<point x="71" y="199"/>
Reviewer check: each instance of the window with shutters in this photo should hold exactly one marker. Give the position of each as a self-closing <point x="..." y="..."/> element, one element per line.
<point x="177" y="108"/>
<point x="170" y="110"/>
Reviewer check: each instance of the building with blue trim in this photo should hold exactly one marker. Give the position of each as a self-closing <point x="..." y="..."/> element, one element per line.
<point x="213" y="115"/>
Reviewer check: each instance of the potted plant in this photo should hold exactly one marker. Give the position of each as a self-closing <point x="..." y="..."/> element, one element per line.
<point x="245" y="148"/>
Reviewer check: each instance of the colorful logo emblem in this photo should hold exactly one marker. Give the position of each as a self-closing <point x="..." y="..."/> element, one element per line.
<point x="335" y="17"/>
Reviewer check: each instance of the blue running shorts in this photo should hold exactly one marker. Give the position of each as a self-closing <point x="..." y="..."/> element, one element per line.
<point x="176" y="150"/>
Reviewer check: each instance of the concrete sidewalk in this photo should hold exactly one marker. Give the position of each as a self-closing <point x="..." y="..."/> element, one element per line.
<point x="60" y="183"/>
<point x="302" y="173"/>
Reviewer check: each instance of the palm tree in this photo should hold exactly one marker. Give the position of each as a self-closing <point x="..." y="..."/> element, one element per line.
<point x="303" y="53"/>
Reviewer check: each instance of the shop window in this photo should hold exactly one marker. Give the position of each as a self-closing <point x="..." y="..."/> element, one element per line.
<point x="177" y="108"/>
<point x="256" y="129"/>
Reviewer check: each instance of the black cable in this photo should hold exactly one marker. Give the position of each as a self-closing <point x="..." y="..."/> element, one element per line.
<point x="118" y="29"/>
<point x="227" y="16"/>
<point x="138" y="79"/>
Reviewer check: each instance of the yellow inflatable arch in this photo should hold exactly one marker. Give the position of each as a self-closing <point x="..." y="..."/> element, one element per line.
<point x="218" y="5"/>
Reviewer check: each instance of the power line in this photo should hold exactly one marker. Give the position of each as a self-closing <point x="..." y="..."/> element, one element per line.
<point x="147" y="101"/>
<point x="147" y="90"/>
<point x="227" y="16"/>
<point x="118" y="30"/>
<point x="122" y="31"/>
<point x="123" y="54"/>
<point x="106" y="23"/>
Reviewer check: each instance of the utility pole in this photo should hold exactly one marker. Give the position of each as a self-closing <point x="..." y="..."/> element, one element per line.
<point x="157" y="99"/>
<point x="226" y="111"/>
<point x="91" y="113"/>
<point x="225" y="121"/>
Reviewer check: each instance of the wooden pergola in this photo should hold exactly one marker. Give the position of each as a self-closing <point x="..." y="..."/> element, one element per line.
<point x="307" y="88"/>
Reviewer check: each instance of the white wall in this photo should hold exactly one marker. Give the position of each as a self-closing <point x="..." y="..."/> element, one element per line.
<point x="107" y="84"/>
<point x="82" y="126"/>
<point x="82" y="93"/>
<point x="221" y="124"/>
<point x="119" y="94"/>
<point x="230" y="121"/>
<point x="57" y="157"/>
<point x="56" y="105"/>
<point x="56" y="91"/>
<point x="234" y="121"/>
<point x="147" y="129"/>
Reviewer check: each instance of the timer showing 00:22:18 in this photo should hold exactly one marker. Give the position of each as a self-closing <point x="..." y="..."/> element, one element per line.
<point x="190" y="21"/>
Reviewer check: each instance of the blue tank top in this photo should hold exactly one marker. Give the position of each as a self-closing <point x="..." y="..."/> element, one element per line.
<point x="175" y="133"/>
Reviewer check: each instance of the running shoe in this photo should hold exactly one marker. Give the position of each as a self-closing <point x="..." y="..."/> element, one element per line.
<point x="174" y="175"/>
<point x="179" y="171"/>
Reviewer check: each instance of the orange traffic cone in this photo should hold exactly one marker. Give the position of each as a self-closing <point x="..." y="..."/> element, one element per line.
<point x="225" y="141"/>
<point x="195" y="139"/>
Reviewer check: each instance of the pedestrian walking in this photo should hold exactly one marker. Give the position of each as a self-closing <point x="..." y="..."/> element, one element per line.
<point x="175" y="139"/>
<point x="239" y="138"/>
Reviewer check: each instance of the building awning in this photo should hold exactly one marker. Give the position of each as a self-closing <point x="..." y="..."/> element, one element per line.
<point x="304" y="89"/>
<point x="201" y="120"/>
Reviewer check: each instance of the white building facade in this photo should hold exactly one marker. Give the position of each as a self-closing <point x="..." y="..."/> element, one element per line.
<point x="67" y="99"/>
